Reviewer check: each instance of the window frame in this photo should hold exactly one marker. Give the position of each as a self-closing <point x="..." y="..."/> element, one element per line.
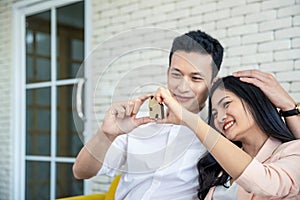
<point x="20" y="11"/>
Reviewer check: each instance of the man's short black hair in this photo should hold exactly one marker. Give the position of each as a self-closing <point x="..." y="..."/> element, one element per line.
<point x="199" y="42"/>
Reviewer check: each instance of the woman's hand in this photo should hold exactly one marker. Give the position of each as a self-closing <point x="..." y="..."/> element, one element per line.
<point x="175" y="109"/>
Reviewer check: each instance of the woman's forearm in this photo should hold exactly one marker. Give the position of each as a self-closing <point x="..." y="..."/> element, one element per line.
<point x="233" y="159"/>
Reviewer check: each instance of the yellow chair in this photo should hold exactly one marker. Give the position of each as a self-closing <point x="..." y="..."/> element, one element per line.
<point x="110" y="195"/>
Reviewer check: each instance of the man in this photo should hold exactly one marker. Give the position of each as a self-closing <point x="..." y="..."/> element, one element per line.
<point x="157" y="161"/>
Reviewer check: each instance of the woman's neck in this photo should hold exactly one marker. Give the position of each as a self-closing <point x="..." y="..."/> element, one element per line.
<point x="254" y="142"/>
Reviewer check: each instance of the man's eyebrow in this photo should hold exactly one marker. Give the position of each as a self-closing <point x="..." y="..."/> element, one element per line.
<point x="175" y="69"/>
<point x="198" y="74"/>
<point x="193" y="73"/>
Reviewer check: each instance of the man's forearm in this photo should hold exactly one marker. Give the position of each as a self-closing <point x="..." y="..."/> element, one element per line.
<point x="90" y="159"/>
<point x="291" y="121"/>
<point x="293" y="124"/>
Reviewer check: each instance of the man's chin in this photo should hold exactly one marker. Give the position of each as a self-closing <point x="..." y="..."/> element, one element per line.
<point x="190" y="107"/>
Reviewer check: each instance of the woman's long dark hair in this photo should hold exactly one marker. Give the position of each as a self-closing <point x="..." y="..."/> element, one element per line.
<point x="265" y="116"/>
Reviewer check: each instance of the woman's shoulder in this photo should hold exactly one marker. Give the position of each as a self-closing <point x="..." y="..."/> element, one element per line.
<point x="291" y="147"/>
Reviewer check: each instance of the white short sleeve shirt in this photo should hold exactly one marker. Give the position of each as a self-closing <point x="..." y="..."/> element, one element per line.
<point x="157" y="161"/>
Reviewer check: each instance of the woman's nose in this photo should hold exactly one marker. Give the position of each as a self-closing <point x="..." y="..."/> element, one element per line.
<point x="222" y="117"/>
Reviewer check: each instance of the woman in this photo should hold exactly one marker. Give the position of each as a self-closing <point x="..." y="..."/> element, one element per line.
<point x="267" y="166"/>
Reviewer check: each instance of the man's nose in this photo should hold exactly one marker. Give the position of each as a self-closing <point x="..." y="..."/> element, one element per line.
<point x="184" y="85"/>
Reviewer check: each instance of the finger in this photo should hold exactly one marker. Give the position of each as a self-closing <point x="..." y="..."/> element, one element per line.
<point x="145" y="97"/>
<point x="120" y="112"/>
<point x="136" y="107"/>
<point x="161" y="93"/>
<point x="253" y="81"/>
<point x="169" y="119"/>
<point x="129" y="108"/>
<point x="143" y="120"/>
<point x="158" y="97"/>
<point x="253" y="73"/>
<point x="162" y="121"/>
<point x="138" y="102"/>
<point x="166" y="120"/>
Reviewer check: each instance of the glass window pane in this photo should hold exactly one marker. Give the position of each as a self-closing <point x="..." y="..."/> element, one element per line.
<point x="29" y="41"/>
<point x="77" y="49"/>
<point x="29" y="68"/>
<point x="43" y="72"/>
<point x="43" y="44"/>
<point x="66" y="184"/>
<point x="70" y="31"/>
<point x="74" y="69"/>
<point x="68" y="141"/>
<point x="38" y="121"/>
<point x="38" y="47"/>
<point x="37" y="180"/>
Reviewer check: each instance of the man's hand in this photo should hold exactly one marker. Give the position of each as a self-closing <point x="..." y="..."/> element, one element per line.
<point x="121" y="117"/>
<point x="275" y="92"/>
<point x="269" y="85"/>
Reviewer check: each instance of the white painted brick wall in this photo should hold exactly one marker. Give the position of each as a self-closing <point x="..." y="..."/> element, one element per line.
<point x="273" y="4"/>
<point x="255" y="33"/>
<point x="245" y="9"/>
<point x="5" y="100"/>
<point x="261" y="16"/>
<point x="274" y="45"/>
<point x="243" y="29"/>
<point x="290" y="32"/>
<point x="278" y="66"/>
<point x="258" y="38"/>
<point x="296" y="20"/>
<point x="276" y="24"/>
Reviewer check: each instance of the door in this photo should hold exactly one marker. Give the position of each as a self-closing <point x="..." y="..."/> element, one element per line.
<point x="54" y="51"/>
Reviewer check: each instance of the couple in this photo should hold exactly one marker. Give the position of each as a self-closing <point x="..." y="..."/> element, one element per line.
<point x="251" y="152"/>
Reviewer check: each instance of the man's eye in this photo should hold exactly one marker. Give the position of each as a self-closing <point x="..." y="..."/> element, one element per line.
<point x="176" y="75"/>
<point x="197" y="78"/>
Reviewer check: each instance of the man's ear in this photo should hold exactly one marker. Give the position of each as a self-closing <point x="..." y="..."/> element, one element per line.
<point x="168" y="70"/>
<point x="215" y="79"/>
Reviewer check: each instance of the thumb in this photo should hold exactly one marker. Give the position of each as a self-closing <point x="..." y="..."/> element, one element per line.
<point x="143" y="120"/>
<point x="170" y="119"/>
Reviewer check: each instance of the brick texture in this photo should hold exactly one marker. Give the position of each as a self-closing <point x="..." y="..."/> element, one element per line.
<point x="6" y="170"/>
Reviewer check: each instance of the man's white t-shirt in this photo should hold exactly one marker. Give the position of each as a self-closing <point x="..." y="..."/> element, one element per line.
<point x="230" y="192"/>
<point x="157" y="161"/>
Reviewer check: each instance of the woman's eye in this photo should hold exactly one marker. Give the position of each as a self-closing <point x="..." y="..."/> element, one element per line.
<point x="226" y="104"/>
<point x="214" y="115"/>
